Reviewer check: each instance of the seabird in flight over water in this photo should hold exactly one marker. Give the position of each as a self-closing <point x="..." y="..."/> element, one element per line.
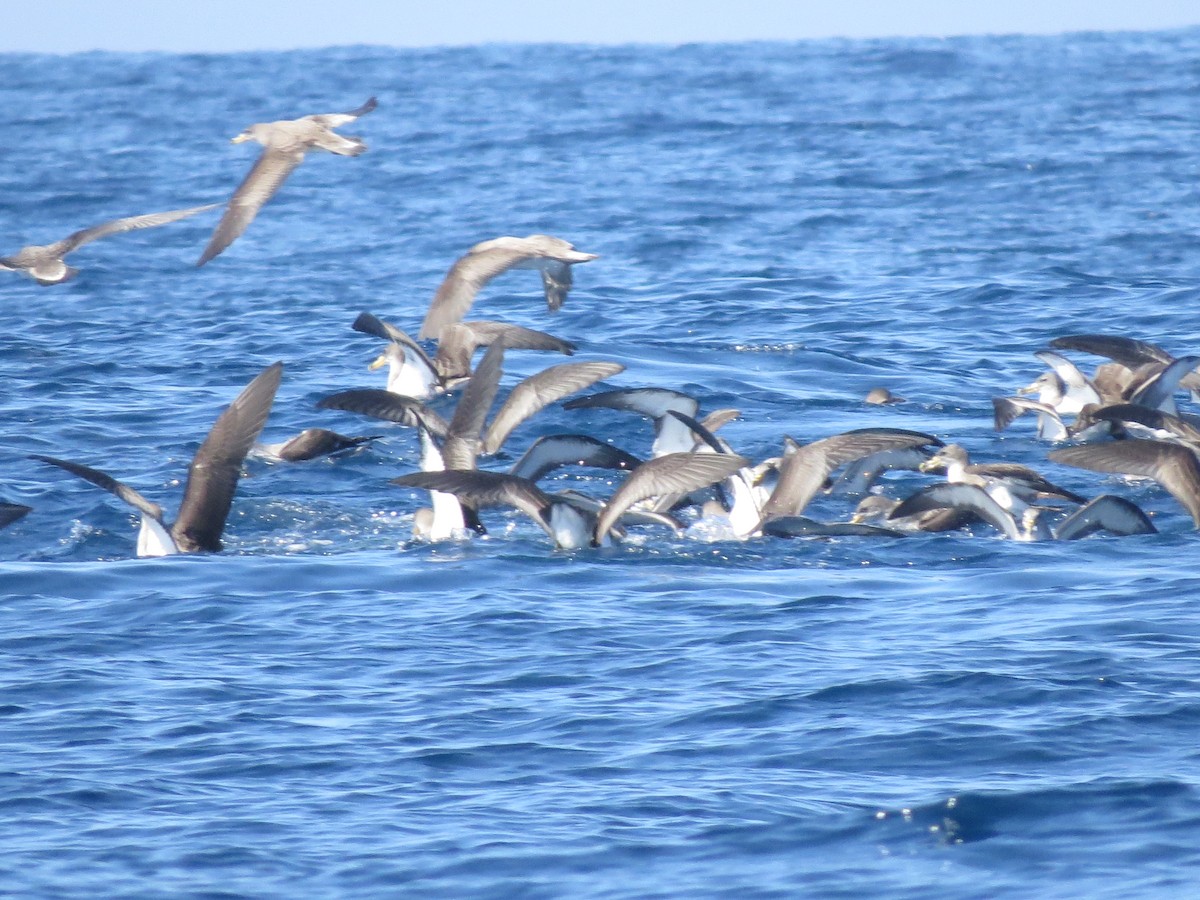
<point x="44" y="263"/>
<point x="284" y="145"/>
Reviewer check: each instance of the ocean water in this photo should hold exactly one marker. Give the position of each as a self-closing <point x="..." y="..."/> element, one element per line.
<point x="329" y="708"/>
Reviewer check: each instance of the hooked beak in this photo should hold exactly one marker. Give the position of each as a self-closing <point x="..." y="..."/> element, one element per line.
<point x="240" y="139"/>
<point x="378" y="362"/>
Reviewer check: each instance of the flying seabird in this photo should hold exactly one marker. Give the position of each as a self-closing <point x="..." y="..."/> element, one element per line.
<point x="314" y="442"/>
<point x="284" y="145"/>
<point x="552" y="256"/>
<point x="45" y="263"/>
<point x="212" y="476"/>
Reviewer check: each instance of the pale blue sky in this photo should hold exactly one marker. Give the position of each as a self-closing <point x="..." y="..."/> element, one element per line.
<point x="63" y="26"/>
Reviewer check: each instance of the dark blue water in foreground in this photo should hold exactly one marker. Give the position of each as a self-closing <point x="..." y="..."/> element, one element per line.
<point x="328" y="709"/>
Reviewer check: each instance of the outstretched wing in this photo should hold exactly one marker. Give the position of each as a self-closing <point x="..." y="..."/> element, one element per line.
<point x="675" y="473"/>
<point x="130" y="223"/>
<point x="1105" y="513"/>
<point x="110" y="484"/>
<point x="1172" y="465"/>
<point x="268" y="173"/>
<point x="458" y="289"/>
<point x="968" y="497"/>
<point x="463" y="438"/>
<point x="380" y="404"/>
<point x="539" y="391"/>
<point x="476" y="489"/>
<point x="556" y="450"/>
<point x="217" y="465"/>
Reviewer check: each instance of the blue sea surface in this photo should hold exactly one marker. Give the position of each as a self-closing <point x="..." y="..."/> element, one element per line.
<point x="330" y="708"/>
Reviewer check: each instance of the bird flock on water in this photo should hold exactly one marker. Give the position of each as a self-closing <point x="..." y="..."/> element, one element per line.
<point x="1121" y="420"/>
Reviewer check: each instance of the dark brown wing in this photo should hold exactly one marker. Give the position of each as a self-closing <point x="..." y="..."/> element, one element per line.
<point x="217" y="465"/>
<point x="337" y="120"/>
<point x="380" y="404"/>
<point x="110" y="484"/>
<point x="458" y="341"/>
<point x="517" y="337"/>
<point x="1172" y="465"/>
<point x="268" y="173"/>
<point x="1128" y="352"/>
<point x="478" y="489"/>
<point x="369" y="324"/>
<point x="557" y="281"/>
<point x="556" y="450"/>
<point x="968" y="497"/>
<point x="1106" y="513"/>
<point x="1023" y="475"/>
<point x="315" y="442"/>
